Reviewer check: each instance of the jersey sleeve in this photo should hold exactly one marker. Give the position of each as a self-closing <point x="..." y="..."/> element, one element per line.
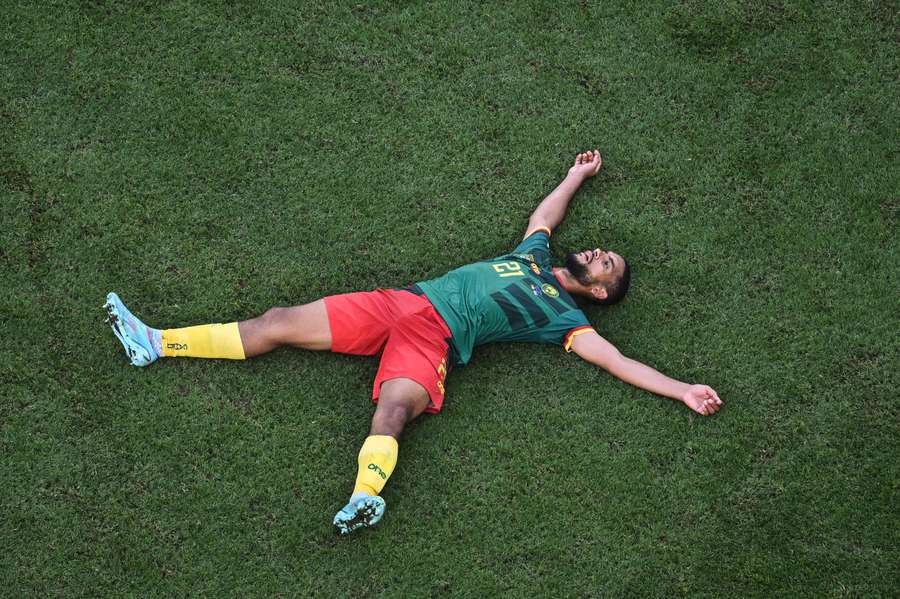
<point x="536" y="244"/>
<point x="565" y="327"/>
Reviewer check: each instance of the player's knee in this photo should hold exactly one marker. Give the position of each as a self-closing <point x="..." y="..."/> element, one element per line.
<point x="402" y="399"/>
<point x="301" y="326"/>
<point x="275" y="322"/>
<point x="403" y="390"/>
<point x="272" y="315"/>
<point x="399" y="401"/>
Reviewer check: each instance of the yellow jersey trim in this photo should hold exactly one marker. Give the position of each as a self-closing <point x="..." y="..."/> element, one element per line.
<point x="536" y="229"/>
<point x="567" y="344"/>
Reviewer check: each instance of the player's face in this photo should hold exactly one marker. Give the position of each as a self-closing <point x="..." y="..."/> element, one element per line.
<point x="595" y="266"/>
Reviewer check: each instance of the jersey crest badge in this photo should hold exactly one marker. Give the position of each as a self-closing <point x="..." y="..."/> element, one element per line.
<point x="550" y="290"/>
<point x="535" y="269"/>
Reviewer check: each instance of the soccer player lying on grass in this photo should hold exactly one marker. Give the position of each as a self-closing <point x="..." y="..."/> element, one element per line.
<point x="425" y="329"/>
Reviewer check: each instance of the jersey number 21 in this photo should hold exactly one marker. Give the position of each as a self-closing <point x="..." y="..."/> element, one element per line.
<point x="509" y="269"/>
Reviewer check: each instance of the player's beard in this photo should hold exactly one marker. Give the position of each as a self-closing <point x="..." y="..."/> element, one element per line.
<point x="578" y="270"/>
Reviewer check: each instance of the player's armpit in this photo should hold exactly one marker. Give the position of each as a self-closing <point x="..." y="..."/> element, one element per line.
<point x="595" y="349"/>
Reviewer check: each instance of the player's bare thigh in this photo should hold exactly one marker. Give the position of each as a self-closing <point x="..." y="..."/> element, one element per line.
<point x="303" y="326"/>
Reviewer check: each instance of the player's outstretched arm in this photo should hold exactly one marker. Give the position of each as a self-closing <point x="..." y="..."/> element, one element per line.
<point x="597" y="350"/>
<point x="552" y="209"/>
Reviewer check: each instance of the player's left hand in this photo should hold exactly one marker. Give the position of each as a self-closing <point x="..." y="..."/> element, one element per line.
<point x="702" y="399"/>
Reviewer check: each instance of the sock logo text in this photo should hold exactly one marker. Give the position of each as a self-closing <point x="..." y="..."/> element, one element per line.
<point x="378" y="471"/>
<point x="177" y="346"/>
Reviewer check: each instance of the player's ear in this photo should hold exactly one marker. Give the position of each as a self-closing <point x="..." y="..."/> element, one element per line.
<point x="598" y="293"/>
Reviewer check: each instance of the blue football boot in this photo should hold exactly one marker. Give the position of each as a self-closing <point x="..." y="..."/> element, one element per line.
<point x="365" y="511"/>
<point x="134" y="334"/>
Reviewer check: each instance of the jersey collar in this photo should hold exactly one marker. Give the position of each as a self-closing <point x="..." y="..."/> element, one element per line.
<point x="556" y="274"/>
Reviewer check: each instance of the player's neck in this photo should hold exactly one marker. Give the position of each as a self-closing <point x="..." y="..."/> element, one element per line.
<point x="567" y="281"/>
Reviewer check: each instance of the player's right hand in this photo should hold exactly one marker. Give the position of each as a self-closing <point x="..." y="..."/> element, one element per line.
<point x="587" y="164"/>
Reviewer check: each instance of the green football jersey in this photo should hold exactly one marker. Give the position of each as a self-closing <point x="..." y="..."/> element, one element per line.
<point x="515" y="297"/>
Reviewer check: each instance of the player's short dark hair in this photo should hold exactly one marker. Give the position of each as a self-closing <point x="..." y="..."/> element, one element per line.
<point x="617" y="290"/>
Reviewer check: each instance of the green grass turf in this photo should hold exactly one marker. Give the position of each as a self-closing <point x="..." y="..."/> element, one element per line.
<point x="208" y="160"/>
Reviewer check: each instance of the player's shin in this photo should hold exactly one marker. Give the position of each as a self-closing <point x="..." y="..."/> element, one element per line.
<point x="204" y="341"/>
<point x="377" y="459"/>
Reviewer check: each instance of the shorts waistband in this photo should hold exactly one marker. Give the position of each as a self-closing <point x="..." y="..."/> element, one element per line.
<point x="414" y="288"/>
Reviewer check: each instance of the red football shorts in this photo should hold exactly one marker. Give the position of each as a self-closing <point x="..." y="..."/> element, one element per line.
<point x="403" y="326"/>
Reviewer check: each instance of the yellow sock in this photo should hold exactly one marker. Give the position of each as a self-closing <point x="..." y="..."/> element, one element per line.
<point x="204" y="341"/>
<point x="377" y="459"/>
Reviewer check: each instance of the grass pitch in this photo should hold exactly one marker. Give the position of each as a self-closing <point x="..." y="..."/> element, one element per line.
<point x="208" y="160"/>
